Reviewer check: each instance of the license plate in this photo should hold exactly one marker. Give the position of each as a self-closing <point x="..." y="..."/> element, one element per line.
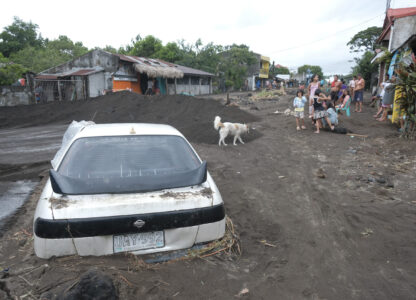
<point x="138" y="241"/>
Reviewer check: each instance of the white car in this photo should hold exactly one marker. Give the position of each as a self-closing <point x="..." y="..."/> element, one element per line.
<point x="137" y="188"/>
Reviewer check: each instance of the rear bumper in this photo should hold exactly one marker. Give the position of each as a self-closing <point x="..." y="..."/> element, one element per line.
<point x="175" y="239"/>
<point x="91" y="227"/>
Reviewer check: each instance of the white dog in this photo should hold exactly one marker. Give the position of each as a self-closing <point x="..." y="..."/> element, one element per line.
<point x="235" y="129"/>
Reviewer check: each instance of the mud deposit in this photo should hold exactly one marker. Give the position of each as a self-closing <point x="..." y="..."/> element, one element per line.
<point x="349" y="234"/>
<point x="192" y="116"/>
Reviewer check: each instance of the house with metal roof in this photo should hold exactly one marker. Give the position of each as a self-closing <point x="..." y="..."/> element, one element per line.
<point x="399" y="26"/>
<point x="98" y="72"/>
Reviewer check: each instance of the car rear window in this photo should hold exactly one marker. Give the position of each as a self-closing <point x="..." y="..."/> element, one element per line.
<point x="128" y="156"/>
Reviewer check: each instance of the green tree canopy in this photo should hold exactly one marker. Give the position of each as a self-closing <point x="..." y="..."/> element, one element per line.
<point x="365" y="39"/>
<point x="53" y="53"/>
<point x="234" y="63"/>
<point x="170" y="52"/>
<point x="19" y="35"/>
<point x="9" y="72"/>
<point x="314" y="70"/>
<point x="146" y="47"/>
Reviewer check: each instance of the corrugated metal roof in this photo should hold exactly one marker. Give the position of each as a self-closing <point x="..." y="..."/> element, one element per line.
<point x="391" y="15"/>
<point x="191" y="71"/>
<point x="161" y="63"/>
<point x="46" y="76"/>
<point x="72" y="72"/>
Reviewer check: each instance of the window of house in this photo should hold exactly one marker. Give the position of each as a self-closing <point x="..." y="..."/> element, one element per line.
<point x="195" y="80"/>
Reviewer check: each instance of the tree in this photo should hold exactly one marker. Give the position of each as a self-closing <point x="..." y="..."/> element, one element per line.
<point x="314" y="70"/>
<point x="278" y="69"/>
<point x="365" y="39"/>
<point x="146" y="47"/>
<point x="170" y="52"/>
<point x="9" y="71"/>
<point x="67" y="47"/>
<point x="108" y="48"/>
<point x="53" y="53"/>
<point x="19" y="35"/>
<point x="234" y="63"/>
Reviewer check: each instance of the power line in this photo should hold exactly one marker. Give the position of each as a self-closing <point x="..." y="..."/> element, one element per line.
<point x="324" y="38"/>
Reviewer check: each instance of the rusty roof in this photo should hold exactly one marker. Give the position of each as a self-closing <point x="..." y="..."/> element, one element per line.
<point x="162" y="63"/>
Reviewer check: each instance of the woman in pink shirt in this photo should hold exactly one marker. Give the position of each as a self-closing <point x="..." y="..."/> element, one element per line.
<point x="312" y="87"/>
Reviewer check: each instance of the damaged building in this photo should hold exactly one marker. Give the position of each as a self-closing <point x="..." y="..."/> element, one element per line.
<point x="99" y="72"/>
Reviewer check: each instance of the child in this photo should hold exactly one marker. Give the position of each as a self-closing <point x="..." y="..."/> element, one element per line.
<point x="299" y="105"/>
<point x="319" y="111"/>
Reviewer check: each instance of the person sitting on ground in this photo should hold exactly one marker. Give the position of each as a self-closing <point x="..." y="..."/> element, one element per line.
<point x="332" y="114"/>
<point x="341" y="90"/>
<point x="299" y="105"/>
<point x="343" y="99"/>
<point x="319" y="110"/>
<point x="388" y="98"/>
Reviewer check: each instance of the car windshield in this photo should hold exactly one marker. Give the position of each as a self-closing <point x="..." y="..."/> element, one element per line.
<point x="128" y="156"/>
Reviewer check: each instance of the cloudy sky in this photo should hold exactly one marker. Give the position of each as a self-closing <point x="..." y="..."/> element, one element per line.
<point x="291" y="33"/>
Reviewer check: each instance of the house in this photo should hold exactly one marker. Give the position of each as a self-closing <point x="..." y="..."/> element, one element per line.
<point x="258" y="72"/>
<point x="98" y="72"/>
<point x="399" y="25"/>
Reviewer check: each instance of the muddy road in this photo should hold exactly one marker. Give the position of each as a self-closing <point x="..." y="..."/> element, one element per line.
<point x="320" y="216"/>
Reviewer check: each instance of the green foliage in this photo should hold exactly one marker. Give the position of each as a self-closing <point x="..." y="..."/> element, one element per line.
<point x="281" y="70"/>
<point x="66" y="47"/>
<point x="54" y="53"/>
<point x="170" y="52"/>
<point x="9" y="71"/>
<point x="108" y="48"/>
<point x="406" y="71"/>
<point x="365" y="39"/>
<point x="233" y="65"/>
<point x="314" y="70"/>
<point x="147" y="47"/>
<point x="19" y="35"/>
<point x="365" y="67"/>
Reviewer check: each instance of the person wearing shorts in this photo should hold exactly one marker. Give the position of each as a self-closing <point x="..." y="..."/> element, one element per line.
<point x="359" y="93"/>
<point x="299" y="106"/>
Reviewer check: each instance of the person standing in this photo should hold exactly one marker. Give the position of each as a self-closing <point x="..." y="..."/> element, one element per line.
<point x="335" y="87"/>
<point x="299" y="105"/>
<point x="359" y="93"/>
<point x="351" y="85"/>
<point x="312" y="87"/>
<point x="149" y="90"/>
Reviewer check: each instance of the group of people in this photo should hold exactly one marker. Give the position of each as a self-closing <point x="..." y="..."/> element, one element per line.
<point x="385" y="96"/>
<point x="324" y="109"/>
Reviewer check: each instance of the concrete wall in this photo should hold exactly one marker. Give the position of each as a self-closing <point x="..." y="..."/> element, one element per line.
<point x="403" y="29"/>
<point x="91" y="59"/>
<point x="189" y="89"/>
<point x="9" y="98"/>
<point x="96" y="84"/>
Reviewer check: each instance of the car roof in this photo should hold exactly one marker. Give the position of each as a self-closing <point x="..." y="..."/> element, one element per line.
<point x="117" y="129"/>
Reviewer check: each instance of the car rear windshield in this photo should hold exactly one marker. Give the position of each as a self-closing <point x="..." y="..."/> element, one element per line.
<point x="128" y="156"/>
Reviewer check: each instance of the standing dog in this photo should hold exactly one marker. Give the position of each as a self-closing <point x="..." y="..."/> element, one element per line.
<point x="235" y="129"/>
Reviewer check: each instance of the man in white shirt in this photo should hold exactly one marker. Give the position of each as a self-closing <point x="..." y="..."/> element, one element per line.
<point x="351" y="85"/>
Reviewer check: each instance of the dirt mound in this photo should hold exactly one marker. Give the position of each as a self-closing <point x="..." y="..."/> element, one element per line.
<point x="191" y="115"/>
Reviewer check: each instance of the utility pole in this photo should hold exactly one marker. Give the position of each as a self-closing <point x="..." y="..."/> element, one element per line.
<point x="388" y="5"/>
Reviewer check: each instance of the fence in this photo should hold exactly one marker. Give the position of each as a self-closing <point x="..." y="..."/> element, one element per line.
<point x="60" y="90"/>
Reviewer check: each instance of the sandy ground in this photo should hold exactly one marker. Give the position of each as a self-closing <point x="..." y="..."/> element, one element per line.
<point x="349" y="235"/>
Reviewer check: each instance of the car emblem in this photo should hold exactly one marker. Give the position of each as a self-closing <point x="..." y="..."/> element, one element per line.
<point x="139" y="224"/>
